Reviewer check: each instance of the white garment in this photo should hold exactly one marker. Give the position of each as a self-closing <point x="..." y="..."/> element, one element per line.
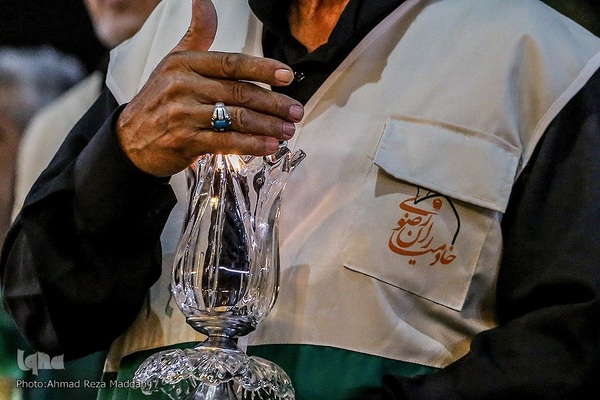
<point x="390" y="229"/>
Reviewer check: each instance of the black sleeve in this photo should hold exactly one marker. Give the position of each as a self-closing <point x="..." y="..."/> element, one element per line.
<point x="547" y="343"/>
<point x="80" y="257"/>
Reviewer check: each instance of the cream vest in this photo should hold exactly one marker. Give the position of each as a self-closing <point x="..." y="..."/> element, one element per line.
<point x="390" y="229"/>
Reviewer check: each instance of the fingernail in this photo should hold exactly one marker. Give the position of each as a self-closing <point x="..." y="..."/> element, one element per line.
<point x="284" y="75"/>
<point x="296" y="112"/>
<point x="289" y="129"/>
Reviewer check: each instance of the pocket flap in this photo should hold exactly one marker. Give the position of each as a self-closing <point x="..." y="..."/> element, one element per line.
<point x="426" y="214"/>
<point x="467" y="165"/>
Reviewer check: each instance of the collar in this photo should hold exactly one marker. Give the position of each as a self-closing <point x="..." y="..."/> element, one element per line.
<point x="360" y="15"/>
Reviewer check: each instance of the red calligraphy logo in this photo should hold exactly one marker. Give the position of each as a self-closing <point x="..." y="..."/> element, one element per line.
<point x="414" y="236"/>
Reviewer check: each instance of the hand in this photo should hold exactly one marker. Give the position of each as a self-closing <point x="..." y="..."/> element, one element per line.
<point x="167" y="125"/>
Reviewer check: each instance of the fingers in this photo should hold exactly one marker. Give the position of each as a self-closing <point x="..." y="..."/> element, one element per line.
<point x="201" y="34"/>
<point x="243" y="67"/>
<point x="235" y="143"/>
<point x="201" y="78"/>
<point x="199" y="37"/>
<point x="236" y="66"/>
<point x="166" y="126"/>
<point x="239" y="96"/>
<point x="244" y="120"/>
<point x="251" y="122"/>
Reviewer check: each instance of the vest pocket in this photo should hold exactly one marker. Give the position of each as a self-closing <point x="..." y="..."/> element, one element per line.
<point x="427" y="207"/>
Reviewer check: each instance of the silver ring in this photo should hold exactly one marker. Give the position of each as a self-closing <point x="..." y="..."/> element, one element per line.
<point x="220" y="121"/>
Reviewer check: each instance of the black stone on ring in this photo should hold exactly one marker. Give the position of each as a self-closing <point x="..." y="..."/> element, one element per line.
<point x="220" y="121"/>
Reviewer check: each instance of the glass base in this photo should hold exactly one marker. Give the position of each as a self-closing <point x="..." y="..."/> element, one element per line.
<point x="214" y="370"/>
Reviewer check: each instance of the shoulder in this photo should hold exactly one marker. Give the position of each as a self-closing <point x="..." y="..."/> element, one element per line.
<point x="508" y="17"/>
<point x="71" y="105"/>
<point x="51" y="125"/>
<point x="48" y="129"/>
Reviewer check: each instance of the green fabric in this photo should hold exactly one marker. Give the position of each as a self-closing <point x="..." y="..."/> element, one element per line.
<point x="78" y="380"/>
<point x="50" y="384"/>
<point x="114" y="384"/>
<point x="327" y="373"/>
<point x="317" y="372"/>
<point x="10" y="341"/>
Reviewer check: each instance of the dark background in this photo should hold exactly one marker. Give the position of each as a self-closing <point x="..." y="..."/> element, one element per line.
<point x="65" y="24"/>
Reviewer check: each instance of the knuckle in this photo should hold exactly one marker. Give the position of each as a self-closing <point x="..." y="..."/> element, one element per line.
<point x="239" y="92"/>
<point x="280" y="104"/>
<point x="171" y="112"/>
<point x="239" y="117"/>
<point x="172" y="60"/>
<point x="230" y="63"/>
<point x="176" y="85"/>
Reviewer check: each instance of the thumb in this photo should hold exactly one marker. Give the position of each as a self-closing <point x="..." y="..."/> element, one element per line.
<point x="203" y="27"/>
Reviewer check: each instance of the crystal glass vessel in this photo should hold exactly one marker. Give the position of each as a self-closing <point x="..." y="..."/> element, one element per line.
<point x="225" y="280"/>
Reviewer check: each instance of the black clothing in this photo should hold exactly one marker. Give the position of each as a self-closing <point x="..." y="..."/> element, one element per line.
<point x="311" y="69"/>
<point x="544" y="290"/>
<point x="89" y="259"/>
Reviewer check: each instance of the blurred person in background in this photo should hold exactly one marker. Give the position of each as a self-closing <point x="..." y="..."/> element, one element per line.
<point x="29" y="80"/>
<point x="114" y="22"/>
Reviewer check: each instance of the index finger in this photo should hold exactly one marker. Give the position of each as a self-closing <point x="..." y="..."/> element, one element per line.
<point x="236" y="66"/>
